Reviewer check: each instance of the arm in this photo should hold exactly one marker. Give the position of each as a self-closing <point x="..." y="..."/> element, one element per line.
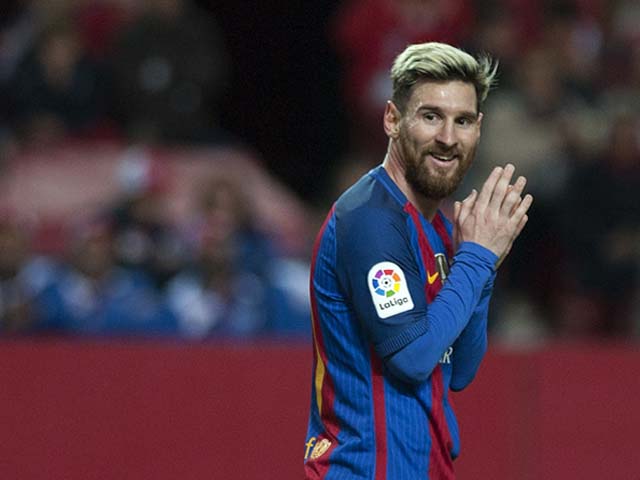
<point x="410" y="337"/>
<point x="447" y="316"/>
<point x="499" y="204"/>
<point x="406" y="333"/>
<point x="471" y="345"/>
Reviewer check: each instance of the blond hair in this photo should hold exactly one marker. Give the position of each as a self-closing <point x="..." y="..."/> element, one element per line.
<point x="440" y="62"/>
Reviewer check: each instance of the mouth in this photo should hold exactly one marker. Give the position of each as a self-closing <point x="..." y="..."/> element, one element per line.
<point x="443" y="160"/>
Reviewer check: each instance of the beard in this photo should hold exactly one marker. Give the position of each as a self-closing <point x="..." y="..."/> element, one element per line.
<point x="434" y="183"/>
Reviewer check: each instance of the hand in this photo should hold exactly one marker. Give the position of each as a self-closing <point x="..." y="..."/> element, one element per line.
<point x="494" y="217"/>
<point x="461" y="211"/>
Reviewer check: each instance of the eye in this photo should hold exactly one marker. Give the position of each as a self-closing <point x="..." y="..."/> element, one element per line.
<point x="430" y="116"/>
<point x="465" y="121"/>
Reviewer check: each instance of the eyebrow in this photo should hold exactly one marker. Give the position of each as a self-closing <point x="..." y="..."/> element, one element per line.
<point x="438" y="110"/>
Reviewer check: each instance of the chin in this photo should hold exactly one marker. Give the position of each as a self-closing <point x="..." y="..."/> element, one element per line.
<point x="441" y="186"/>
<point x="434" y="190"/>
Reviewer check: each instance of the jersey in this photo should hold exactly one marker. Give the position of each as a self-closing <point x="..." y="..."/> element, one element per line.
<point x="394" y="329"/>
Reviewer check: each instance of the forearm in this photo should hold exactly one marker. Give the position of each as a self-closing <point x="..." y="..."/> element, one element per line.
<point x="447" y="316"/>
<point x="471" y="345"/>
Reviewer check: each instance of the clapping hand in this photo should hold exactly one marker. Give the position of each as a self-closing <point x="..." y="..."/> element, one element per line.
<point x="494" y="217"/>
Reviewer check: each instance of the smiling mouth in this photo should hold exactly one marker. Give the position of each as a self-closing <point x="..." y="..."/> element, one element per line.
<point x="443" y="158"/>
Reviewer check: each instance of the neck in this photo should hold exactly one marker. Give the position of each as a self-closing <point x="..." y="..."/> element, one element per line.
<point x="394" y="165"/>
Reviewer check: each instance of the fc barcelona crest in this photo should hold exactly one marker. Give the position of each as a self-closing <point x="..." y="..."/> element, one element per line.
<point x="321" y="447"/>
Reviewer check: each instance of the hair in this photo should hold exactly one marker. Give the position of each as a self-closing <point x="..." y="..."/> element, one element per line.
<point x="433" y="61"/>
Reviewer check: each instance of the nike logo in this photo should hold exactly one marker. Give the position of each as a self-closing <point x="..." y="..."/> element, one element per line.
<point x="431" y="278"/>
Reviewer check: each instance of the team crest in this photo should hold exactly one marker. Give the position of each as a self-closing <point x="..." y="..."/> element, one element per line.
<point x="320" y="448"/>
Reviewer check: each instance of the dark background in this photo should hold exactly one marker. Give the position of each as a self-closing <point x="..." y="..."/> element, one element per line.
<point x="284" y="98"/>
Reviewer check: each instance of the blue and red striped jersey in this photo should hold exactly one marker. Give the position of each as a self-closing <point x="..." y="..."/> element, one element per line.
<point x="398" y="321"/>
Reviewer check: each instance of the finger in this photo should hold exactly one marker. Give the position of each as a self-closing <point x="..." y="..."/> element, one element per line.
<point x="522" y="209"/>
<point x="467" y="206"/>
<point x="456" y="225"/>
<point x="502" y="187"/>
<point x="471" y="197"/>
<point x="523" y="222"/>
<point x="487" y="189"/>
<point x="513" y="199"/>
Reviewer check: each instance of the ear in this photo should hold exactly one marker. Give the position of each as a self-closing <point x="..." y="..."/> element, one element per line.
<point x="391" y="120"/>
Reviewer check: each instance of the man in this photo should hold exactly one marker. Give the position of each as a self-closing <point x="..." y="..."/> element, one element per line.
<point x="394" y="327"/>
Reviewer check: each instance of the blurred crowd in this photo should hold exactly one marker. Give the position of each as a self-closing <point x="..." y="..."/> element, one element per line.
<point x="148" y="70"/>
<point x="131" y="266"/>
<point x="566" y="112"/>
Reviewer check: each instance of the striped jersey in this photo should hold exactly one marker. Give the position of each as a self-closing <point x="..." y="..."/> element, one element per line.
<point x="398" y="321"/>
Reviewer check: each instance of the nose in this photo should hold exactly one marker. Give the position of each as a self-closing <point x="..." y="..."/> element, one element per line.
<point x="447" y="134"/>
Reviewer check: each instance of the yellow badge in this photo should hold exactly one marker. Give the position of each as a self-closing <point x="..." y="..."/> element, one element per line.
<point x="321" y="447"/>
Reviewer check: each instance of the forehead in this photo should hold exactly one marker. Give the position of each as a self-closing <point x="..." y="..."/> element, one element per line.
<point x="450" y="96"/>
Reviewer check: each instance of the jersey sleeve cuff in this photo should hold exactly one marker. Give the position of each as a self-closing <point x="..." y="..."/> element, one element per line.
<point x="482" y="253"/>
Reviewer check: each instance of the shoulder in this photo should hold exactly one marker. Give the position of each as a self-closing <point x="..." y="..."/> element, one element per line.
<point x="370" y="222"/>
<point x="368" y="206"/>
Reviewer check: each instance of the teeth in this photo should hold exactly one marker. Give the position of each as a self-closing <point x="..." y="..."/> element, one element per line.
<point x="444" y="159"/>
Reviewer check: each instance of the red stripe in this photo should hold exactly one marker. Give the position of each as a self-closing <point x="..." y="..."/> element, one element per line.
<point x="379" y="416"/>
<point x="428" y="259"/>
<point x="438" y="224"/>
<point x="319" y="467"/>
<point x="440" y="462"/>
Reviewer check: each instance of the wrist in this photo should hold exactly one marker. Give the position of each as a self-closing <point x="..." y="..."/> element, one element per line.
<point x="487" y="256"/>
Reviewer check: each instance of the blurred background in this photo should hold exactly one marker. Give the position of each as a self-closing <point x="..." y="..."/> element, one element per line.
<point x="165" y="166"/>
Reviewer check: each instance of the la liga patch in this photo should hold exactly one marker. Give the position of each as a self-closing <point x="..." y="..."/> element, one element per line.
<point x="389" y="290"/>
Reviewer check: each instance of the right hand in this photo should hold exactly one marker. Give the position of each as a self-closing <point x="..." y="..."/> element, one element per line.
<point x="495" y="217"/>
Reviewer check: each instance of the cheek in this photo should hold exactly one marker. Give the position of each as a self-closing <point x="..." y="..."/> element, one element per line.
<point x="410" y="124"/>
<point x="470" y="142"/>
<point x="419" y="137"/>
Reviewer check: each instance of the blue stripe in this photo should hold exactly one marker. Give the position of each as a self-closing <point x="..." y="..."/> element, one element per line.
<point x="408" y="432"/>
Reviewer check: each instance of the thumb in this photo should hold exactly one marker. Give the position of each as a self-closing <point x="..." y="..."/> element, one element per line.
<point x="467" y="205"/>
<point x="456" y="211"/>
